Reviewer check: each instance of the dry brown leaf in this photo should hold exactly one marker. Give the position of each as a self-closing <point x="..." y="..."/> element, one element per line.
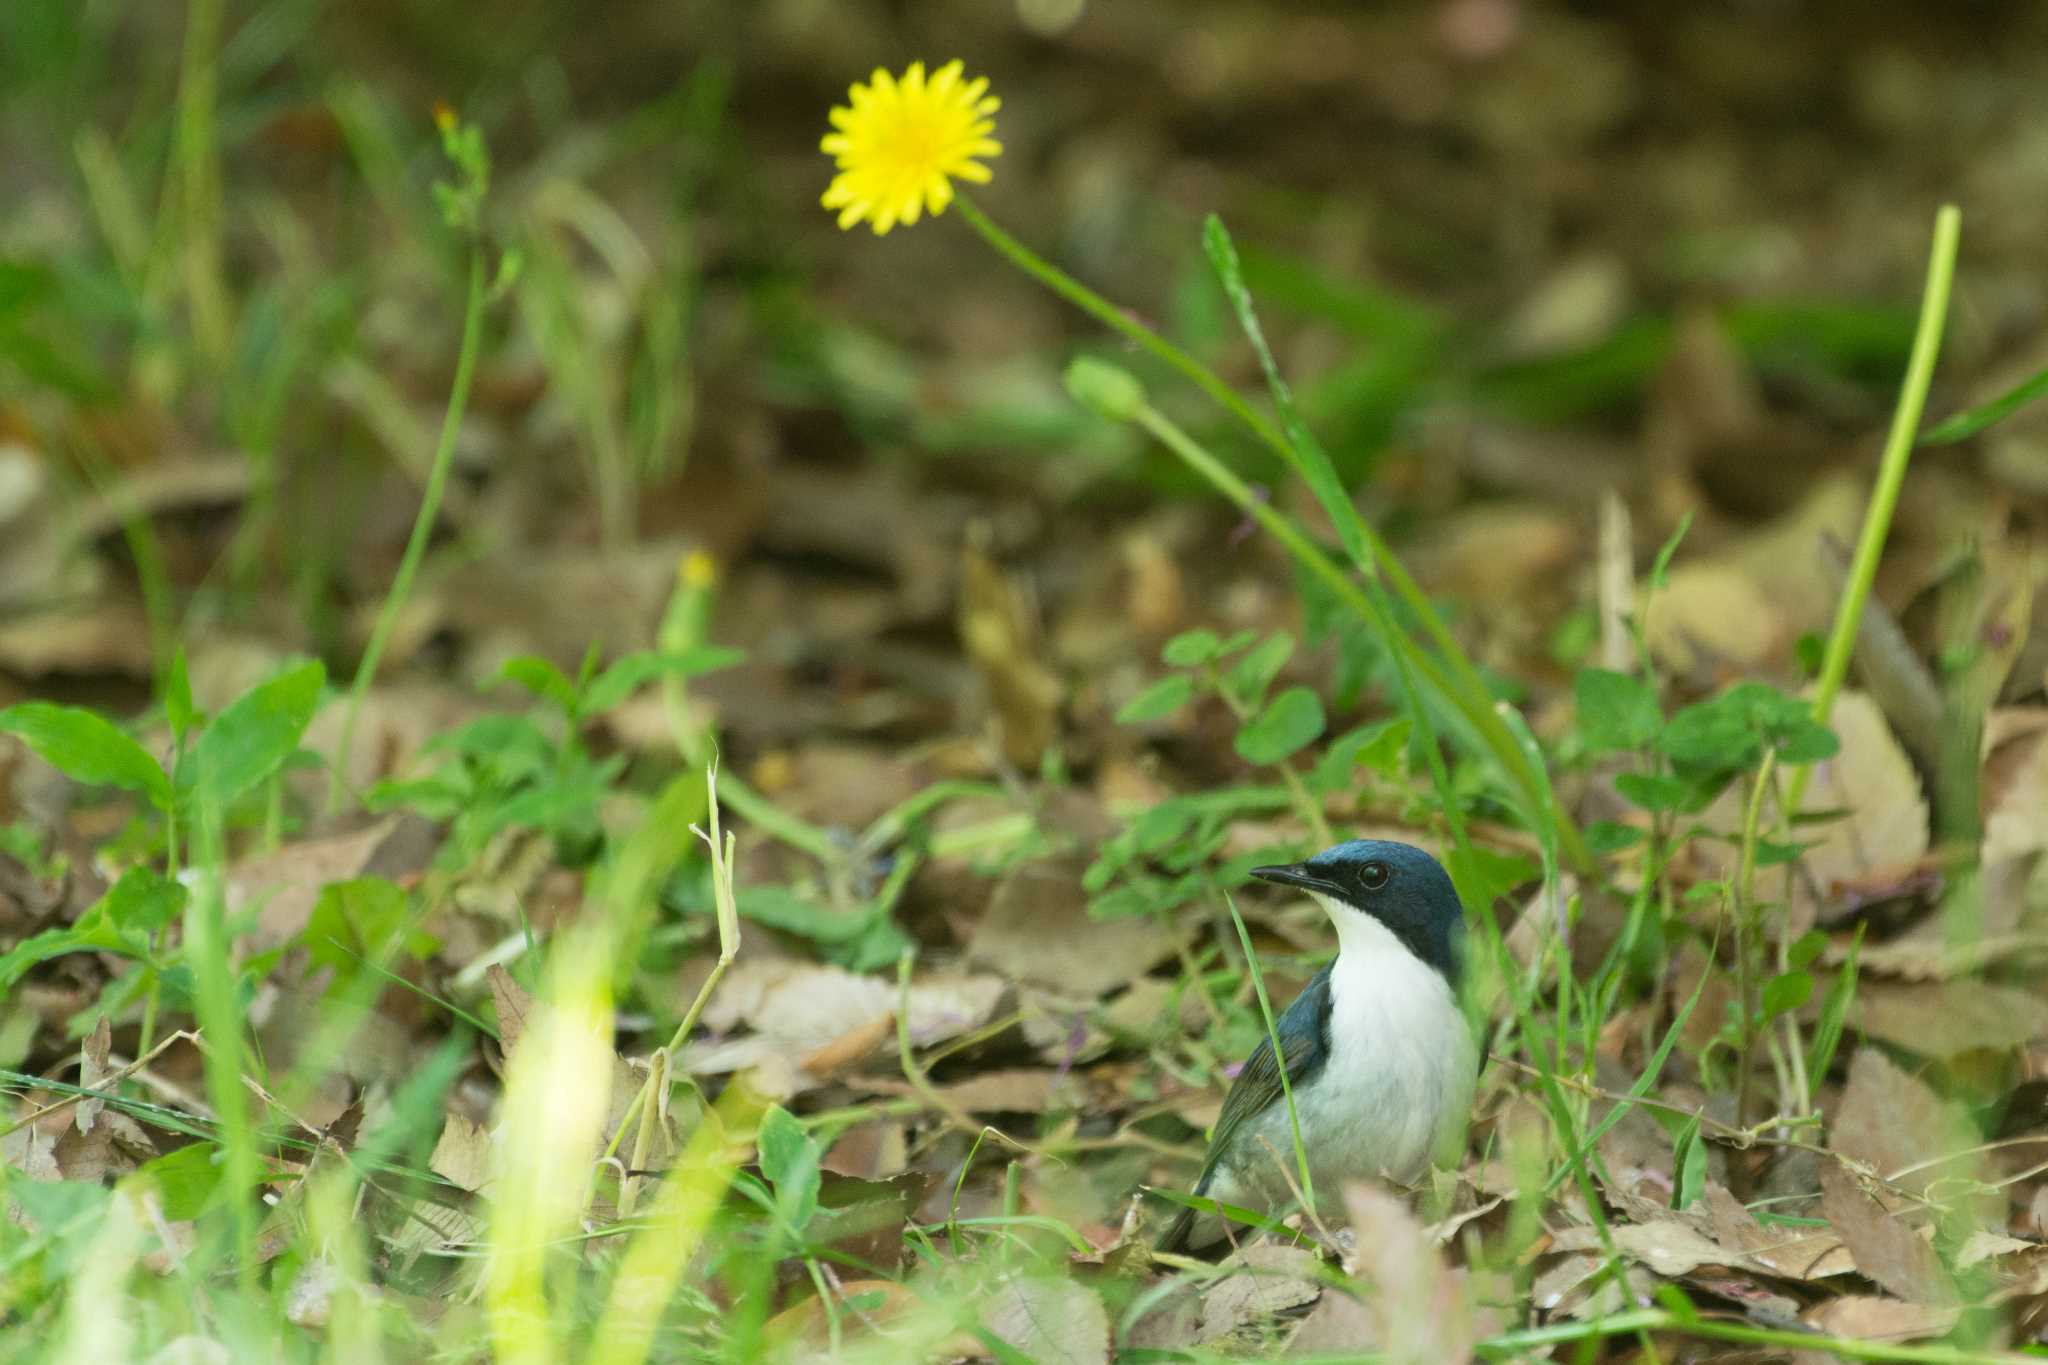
<point x="462" y="1154"/>
<point x="2015" y="783"/>
<point x="1886" y="1249"/>
<point x="1058" y="1321"/>
<point x="850" y="1048"/>
<point x="518" y="1012"/>
<point x="1940" y="1019"/>
<point x="1000" y="633"/>
<point x="1268" y="1279"/>
<point x="804" y="1324"/>
<point x="1671" y="1246"/>
<point x="283" y="885"/>
<point x="1038" y="929"/>
<point x="797" y="1008"/>
<point x="83" y="638"/>
<point x="1863" y="1317"/>
<point x="1784" y="1252"/>
<point x="93" y="1072"/>
<point x="1981" y="1246"/>
<point x="1892" y="1122"/>
<point x="512" y="1004"/>
<point x="1418" y="1301"/>
<point x="32" y="1151"/>
<point x="1884" y="828"/>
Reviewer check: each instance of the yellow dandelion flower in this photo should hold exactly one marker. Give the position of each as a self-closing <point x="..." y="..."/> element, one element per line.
<point x="697" y="569"/>
<point x="903" y="140"/>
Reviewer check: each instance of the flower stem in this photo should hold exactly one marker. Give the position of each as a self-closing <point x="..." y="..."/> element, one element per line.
<point x="1455" y="679"/>
<point x="1891" y="476"/>
<point x="1478" y="713"/>
<point x="423" y="524"/>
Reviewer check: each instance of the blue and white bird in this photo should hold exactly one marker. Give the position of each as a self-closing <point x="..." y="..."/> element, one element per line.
<point x="1377" y="1048"/>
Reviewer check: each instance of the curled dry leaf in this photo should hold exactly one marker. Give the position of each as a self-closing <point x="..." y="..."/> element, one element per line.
<point x="1269" y="1279"/>
<point x="462" y="1154"/>
<point x="1863" y="1317"/>
<point x="798" y="1011"/>
<point x="1784" y="1252"/>
<point x="283" y="885"/>
<point x="1881" y="831"/>
<point x="999" y="630"/>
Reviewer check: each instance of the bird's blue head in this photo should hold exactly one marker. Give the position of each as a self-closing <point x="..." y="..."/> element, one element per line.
<point x="1399" y="885"/>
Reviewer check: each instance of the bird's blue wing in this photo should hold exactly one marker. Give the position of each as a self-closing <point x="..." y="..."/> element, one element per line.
<point x="1301" y="1030"/>
<point x="1303" y="1045"/>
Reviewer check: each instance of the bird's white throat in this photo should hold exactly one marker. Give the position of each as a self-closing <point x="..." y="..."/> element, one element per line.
<point x="1402" y="1057"/>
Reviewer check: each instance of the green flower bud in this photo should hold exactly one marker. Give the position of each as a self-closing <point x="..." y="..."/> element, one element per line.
<point x="1109" y="391"/>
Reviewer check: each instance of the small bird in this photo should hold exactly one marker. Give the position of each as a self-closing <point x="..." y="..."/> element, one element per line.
<point x="1378" y="1051"/>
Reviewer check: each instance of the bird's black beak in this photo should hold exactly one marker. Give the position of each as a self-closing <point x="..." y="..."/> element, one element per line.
<point x="1296" y="874"/>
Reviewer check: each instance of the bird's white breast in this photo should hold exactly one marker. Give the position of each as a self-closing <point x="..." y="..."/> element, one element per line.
<point x="1396" y="1087"/>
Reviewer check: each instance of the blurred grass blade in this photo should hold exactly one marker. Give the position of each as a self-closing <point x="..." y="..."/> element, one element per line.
<point x="1964" y="425"/>
<point x="557" y="1089"/>
<point x="658" y="1254"/>
<point x="1834" y="1013"/>
<point x="1463" y="688"/>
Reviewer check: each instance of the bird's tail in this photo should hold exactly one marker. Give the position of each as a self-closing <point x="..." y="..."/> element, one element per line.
<point x="1176" y="1239"/>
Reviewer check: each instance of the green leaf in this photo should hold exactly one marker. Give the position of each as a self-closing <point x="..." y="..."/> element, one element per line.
<point x="179" y="713"/>
<point x="1611" y="836"/>
<point x="1967" y="424"/>
<point x="1807" y="948"/>
<point x="1292" y="721"/>
<point x="185" y="1179"/>
<point x="87" y="748"/>
<point x="540" y="677"/>
<point x="357" y="922"/>
<point x="1786" y="992"/>
<point x="1162" y="698"/>
<point x="633" y="672"/>
<point x="1690" y="1156"/>
<point x="133" y="908"/>
<point x="144" y="900"/>
<point x="1489" y="874"/>
<point x="1657" y="791"/>
<point x="789" y="1158"/>
<point x="1834" y="1012"/>
<point x="1617" y="711"/>
<point x="1660" y="569"/>
<point x="254" y="734"/>
<point x="1728" y="733"/>
<point x="1250" y="676"/>
<point x="1379" y="747"/>
<point x="1191" y="649"/>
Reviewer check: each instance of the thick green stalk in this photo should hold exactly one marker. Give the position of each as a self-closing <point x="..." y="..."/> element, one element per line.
<point x="423" y="524"/>
<point x="1479" y="714"/>
<point x="1456" y="679"/>
<point x="1891" y="477"/>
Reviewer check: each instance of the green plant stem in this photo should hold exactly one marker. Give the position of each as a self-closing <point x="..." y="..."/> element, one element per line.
<point x="423" y="524"/>
<point x="1310" y="806"/>
<point x="1478" y="712"/>
<point x="1519" y="1343"/>
<point x="197" y="163"/>
<point x="1251" y="962"/>
<point x="1455" y="679"/>
<point x="1747" y="926"/>
<point x="1891" y="477"/>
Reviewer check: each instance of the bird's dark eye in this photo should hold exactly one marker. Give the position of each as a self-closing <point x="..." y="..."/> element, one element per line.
<point x="1373" y="875"/>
